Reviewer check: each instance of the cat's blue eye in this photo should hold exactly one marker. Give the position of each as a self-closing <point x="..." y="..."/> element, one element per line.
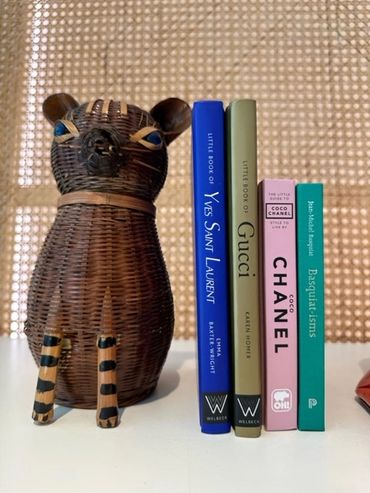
<point x="154" y="138"/>
<point x="60" y="129"/>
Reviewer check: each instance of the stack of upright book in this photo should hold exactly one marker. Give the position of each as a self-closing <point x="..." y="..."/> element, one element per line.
<point x="259" y="283"/>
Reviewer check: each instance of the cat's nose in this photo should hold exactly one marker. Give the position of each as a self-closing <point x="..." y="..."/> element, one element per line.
<point x="101" y="141"/>
<point x="101" y="152"/>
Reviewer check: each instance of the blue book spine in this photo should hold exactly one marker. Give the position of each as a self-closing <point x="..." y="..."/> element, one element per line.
<point x="211" y="266"/>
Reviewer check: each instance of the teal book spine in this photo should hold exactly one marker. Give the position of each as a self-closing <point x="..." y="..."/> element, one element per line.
<point x="311" y="312"/>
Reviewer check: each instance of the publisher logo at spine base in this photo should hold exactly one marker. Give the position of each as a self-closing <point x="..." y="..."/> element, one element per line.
<point x="279" y="211"/>
<point x="216" y="408"/>
<point x="312" y="402"/>
<point x="248" y="410"/>
<point x="281" y="400"/>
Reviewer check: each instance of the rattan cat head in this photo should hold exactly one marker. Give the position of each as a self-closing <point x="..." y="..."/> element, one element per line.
<point x="113" y="147"/>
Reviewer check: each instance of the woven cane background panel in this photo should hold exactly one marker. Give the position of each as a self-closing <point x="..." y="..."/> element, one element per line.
<point x="306" y="62"/>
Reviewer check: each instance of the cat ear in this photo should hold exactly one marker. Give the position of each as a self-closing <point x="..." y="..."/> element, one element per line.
<point x="174" y="117"/>
<point x="57" y="105"/>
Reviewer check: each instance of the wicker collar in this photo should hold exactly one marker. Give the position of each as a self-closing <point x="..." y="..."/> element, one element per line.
<point x="114" y="199"/>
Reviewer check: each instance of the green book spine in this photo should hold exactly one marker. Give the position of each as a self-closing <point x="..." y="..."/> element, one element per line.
<point x="243" y="226"/>
<point x="311" y="319"/>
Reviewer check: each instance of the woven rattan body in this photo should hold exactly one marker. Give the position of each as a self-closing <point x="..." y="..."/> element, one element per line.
<point x="100" y="285"/>
<point x="89" y="248"/>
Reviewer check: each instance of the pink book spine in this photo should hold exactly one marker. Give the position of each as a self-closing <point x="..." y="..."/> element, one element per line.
<point x="279" y="308"/>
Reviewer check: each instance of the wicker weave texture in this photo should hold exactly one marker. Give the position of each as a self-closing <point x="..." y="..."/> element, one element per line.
<point x="306" y="63"/>
<point x="90" y="249"/>
<point x="101" y="269"/>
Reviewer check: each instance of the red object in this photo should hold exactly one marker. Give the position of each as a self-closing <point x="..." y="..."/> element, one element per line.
<point x="363" y="389"/>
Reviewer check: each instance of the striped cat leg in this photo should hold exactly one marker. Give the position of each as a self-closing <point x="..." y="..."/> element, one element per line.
<point x="107" y="408"/>
<point x="45" y="390"/>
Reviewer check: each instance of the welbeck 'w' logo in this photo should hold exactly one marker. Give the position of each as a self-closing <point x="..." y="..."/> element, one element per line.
<point x="248" y="410"/>
<point x="216" y="403"/>
<point x="215" y="407"/>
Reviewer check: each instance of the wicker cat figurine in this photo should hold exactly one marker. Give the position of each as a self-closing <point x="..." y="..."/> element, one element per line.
<point x="100" y="310"/>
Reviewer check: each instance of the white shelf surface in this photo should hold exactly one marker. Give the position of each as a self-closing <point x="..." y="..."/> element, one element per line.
<point x="158" y="446"/>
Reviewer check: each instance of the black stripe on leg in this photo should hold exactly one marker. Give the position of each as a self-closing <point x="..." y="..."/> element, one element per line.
<point x="108" y="412"/>
<point x="106" y="342"/>
<point x="47" y="360"/>
<point x="50" y="341"/>
<point x="44" y="385"/>
<point x="108" y="389"/>
<point x="42" y="408"/>
<point x="107" y="365"/>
